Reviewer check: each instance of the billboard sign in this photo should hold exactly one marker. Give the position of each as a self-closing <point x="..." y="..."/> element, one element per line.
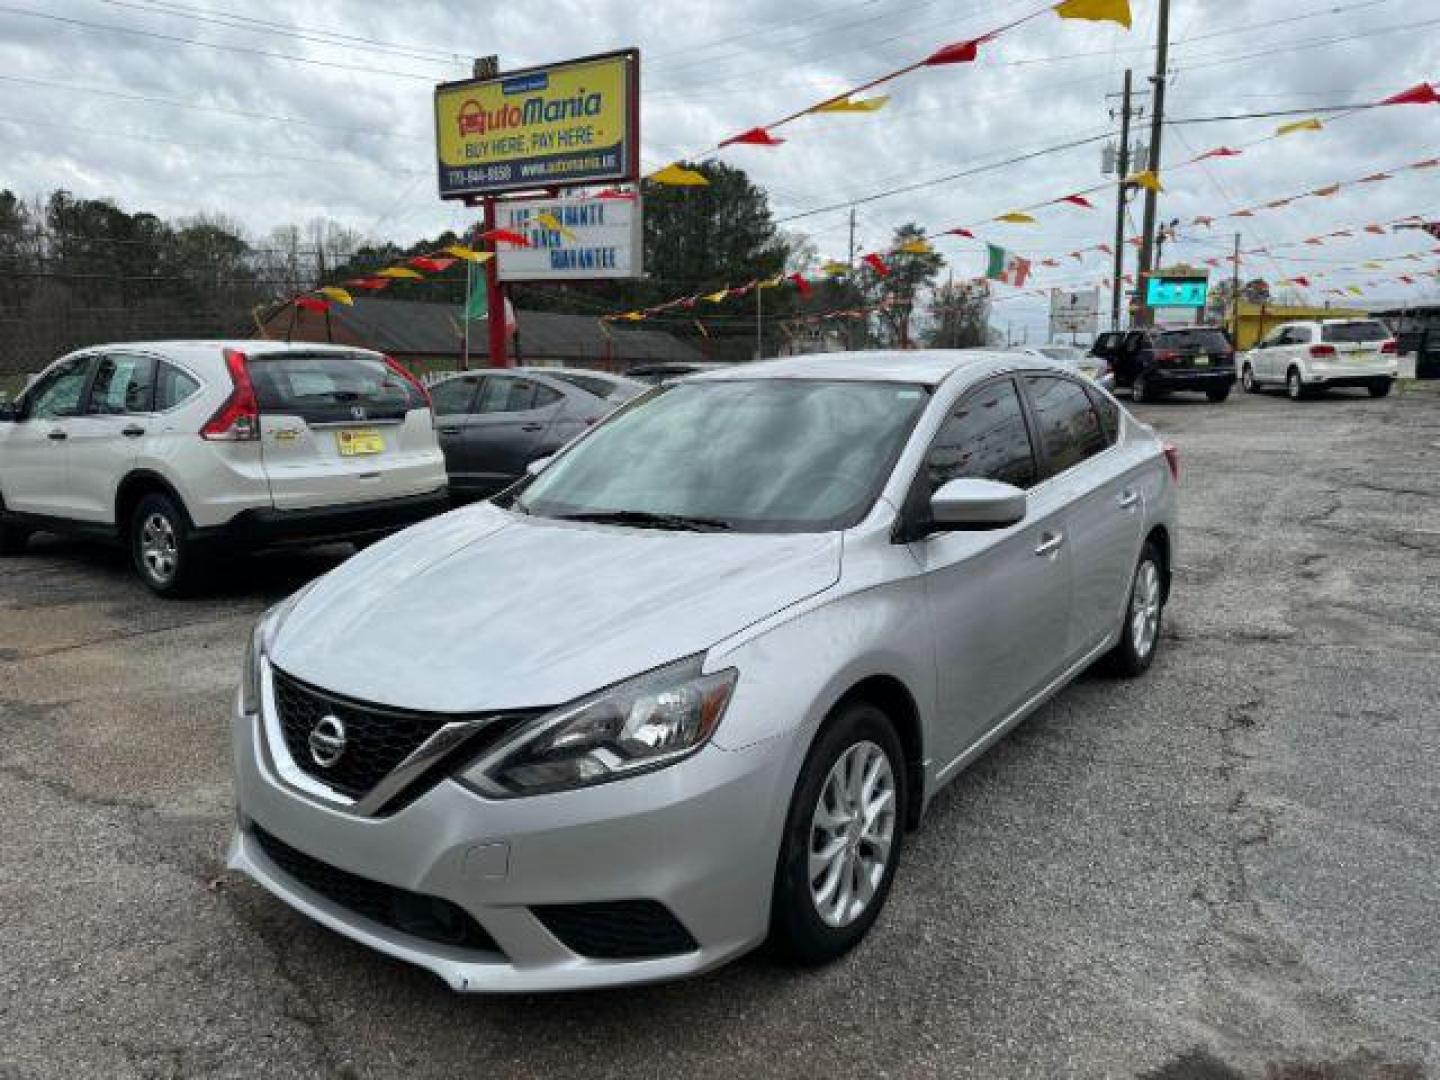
<point x="597" y="238"/>
<point x="561" y="125"/>
<point x="1074" y="311"/>
<point x="1176" y="292"/>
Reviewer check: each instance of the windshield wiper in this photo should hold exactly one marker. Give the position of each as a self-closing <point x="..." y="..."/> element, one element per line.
<point x="646" y="520"/>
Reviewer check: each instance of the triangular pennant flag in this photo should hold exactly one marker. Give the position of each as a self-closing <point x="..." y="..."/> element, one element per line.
<point x="852" y="105"/>
<point x="340" y="296"/>
<point x="756" y="136"/>
<point x="1355" y="290"/>
<point x="1315" y="241"/>
<point x="1299" y="125"/>
<point x="1303" y="282"/>
<point x="460" y="251"/>
<point x="1147" y="179"/>
<point x="801" y="285"/>
<point x="959" y="232"/>
<point x="1017" y="217"/>
<point x="554" y="224"/>
<point x="1407" y="279"/>
<point x="1277" y="204"/>
<point x="1374" y="178"/>
<point x="1049" y="262"/>
<point x="1105" y="249"/>
<point x="1006" y="266"/>
<point x="1203" y="222"/>
<point x="1341" y="232"/>
<point x="633" y="316"/>
<point x="1096" y="10"/>
<point x="770" y="283"/>
<point x="431" y="264"/>
<point x="1372" y="265"/>
<point x="1242" y="213"/>
<point x="1428" y="163"/>
<point x="835" y="269"/>
<point x="505" y="236"/>
<point x="373" y="284"/>
<point x="403" y="272"/>
<point x="716" y="297"/>
<point x="616" y="195"/>
<point x="916" y="247"/>
<point x="1218" y="152"/>
<point x="1419" y="94"/>
<point x="311" y="303"/>
<point x="1327" y="191"/>
<point x="1077" y="256"/>
<point x="1378" y="230"/>
<point x="678" y="176"/>
<point x="1077" y="200"/>
<point x="960" y="52"/>
<point x="876" y="263"/>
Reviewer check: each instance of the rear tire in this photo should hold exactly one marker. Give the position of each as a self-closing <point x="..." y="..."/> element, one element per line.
<point x="1140" y="635"/>
<point x="1219" y="394"/>
<point x="1294" y="386"/>
<point x="1140" y="391"/>
<point x="849" y="802"/>
<point x="162" y="550"/>
<point x="1247" y="380"/>
<point x="1380" y="387"/>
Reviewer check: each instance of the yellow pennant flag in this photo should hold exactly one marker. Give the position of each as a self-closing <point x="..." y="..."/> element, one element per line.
<point x="678" y="176"/>
<point x="633" y="316"/>
<point x="835" y="269"/>
<point x="460" y="251"/>
<point x="1372" y="266"/>
<point x="1016" y="217"/>
<point x="915" y="247"/>
<point x="716" y="297"/>
<point x="1299" y="125"/>
<point x="851" y="105"/>
<point x="1146" y="179"/>
<point x="340" y="296"/>
<point x="1096" y="10"/>
<point x="1355" y="290"/>
<point x="554" y="224"/>
<point x="399" y="272"/>
<point x="771" y="283"/>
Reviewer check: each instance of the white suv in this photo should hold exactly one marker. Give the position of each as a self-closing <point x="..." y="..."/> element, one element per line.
<point x="1306" y="357"/>
<point x="180" y="448"/>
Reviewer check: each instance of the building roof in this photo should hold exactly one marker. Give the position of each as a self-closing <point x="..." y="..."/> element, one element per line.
<point x="417" y="327"/>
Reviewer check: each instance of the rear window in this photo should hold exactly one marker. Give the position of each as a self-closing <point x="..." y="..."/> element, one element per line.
<point x="1198" y="341"/>
<point x="1361" y="330"/>
<point x="331" y="388"/>
<point x="601" y="388"/>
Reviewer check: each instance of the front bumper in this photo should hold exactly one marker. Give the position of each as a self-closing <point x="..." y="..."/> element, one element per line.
<point x="700" y="838"/>
<point x="267" y="527"/>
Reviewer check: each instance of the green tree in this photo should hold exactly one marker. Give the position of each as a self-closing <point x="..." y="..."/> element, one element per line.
<point x="960" y="316"/>
<point x="897" y="292"/>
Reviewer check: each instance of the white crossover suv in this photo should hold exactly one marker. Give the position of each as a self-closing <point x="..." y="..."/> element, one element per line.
<point x="1308" y="357"/>
<point x="180" y="448"/>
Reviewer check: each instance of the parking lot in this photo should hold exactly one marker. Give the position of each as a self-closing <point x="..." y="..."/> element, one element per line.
<point x="1227" y="867"/>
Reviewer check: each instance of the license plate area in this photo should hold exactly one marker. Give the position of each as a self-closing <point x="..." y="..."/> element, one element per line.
<point x="353" y="442"/>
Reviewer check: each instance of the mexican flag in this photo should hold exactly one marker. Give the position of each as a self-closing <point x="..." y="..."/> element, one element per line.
<point x="1006" y="266"/>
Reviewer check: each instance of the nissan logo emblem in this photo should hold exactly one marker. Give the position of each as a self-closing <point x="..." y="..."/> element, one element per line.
<point x="327" y="741"/>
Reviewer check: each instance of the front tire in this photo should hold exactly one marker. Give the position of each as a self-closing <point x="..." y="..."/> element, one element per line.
<point x="843" y="836"/>
<point x="1247" y="380"/>
<point x="161" y="548"/>
<point x="1140" y="391"/>
<point x="1140" y="637"/>
<point x="1218" y="394"/>
<point x="1380" y="387"/>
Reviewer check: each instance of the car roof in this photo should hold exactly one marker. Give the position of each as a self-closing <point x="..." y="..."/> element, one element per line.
<point x="929" y="367"/>
<point x="607" y="376"/>
<point x="249" y="346"/>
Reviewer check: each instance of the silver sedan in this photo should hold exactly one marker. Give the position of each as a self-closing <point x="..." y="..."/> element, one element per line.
<point x="687" y="685"/>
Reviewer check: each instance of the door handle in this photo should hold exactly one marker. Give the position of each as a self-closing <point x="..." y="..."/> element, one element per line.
<point x="449" y="431"/>
<point x="1128" y="499"/>
<point x="134" y="431"/>
<point x="1049" y="543"/>
<point x="532" y="427"/>
<point x="57" y="435"/>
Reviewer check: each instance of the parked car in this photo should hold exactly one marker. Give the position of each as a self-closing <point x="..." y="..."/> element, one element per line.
<point x="494" y="423"/>
<point x="178" y="449"/>
<point x="1068" y="356"/>
<point x="688" y="685"/>
<point x="1311" y="357"/>
<point x="1151" y="362"/>
<point x="655" y="373"/>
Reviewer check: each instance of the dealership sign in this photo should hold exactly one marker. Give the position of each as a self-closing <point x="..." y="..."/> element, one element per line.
<point x="1074" y="311"/>
<point x="597" y="238"/>
<point x="563" y="125"/>
<point x="1188" y="291"/>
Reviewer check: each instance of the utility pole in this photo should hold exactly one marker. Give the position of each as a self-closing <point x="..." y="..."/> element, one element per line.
<point x="759" y="322"/>
<point x="1235" y="293"/>
<point x="1122" y="195"/>
<point x="851" y="260"/>
<point x="1157" y="130"/>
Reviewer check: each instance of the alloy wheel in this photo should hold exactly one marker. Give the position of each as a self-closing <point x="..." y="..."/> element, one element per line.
<point x="159" y="550"/>
<point x="1145" y="608"/>
<point x="852" y="834"/>
<point x="1293" y="386"/>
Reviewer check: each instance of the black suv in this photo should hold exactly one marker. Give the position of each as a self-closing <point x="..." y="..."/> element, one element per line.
<point x="1152" y="362"/>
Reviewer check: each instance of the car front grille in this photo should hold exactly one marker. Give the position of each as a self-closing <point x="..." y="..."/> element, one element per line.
<point x="617" y="929"/>
<point x="421" y="916"/>
<point x="377" y="738"/>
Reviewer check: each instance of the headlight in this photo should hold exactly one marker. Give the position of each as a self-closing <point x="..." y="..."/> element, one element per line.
<point x="648" y="722"/>
<point x="265" y="630"/>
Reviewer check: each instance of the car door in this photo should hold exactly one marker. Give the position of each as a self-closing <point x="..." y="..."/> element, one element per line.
<point x="1259" y="355"/>
<point x="453" y="400"/>
<point x="999" y="599"/>
<point x="34" y="466"/>
<point x="1103" y="504"/>
<point x="503" y="433"/>
<point x="105" y="436"/>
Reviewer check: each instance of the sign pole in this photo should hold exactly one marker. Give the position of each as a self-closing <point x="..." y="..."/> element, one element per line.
<point x="494" y="296"/>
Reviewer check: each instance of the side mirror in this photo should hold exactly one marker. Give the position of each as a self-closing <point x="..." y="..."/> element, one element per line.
<point x="536" y="467"/>
<point x="971" y="503"/>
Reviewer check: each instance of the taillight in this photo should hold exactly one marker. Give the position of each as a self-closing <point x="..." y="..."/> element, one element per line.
<point x="1321" y="352"/>
<point x="415" y="384"/>
<point x="1389" y="348"/>
<point x="1166" y="356"/>
<point x="238" y="418"/>
<point x="1172" y="459"/>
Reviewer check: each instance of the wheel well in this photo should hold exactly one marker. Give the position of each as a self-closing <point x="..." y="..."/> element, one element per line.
<point x="1160" y="537"/>
<point x="889" y="695"/>
<point x="134" y="488"/>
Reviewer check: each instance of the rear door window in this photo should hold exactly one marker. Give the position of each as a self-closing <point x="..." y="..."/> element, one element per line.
<point x="331" y="388"/>
<point x="1360" y="331"/>
<point x="506" y="393"/>
<point x="453" y="397"/>
<point x="601" y="388"/>
<point x="124" y="383"/>
<point x="985" y="437"/>
<point x="1070" y="428"/>
<point x="173" y="386"/>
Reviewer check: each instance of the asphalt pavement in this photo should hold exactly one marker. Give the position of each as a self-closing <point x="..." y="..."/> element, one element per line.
<point x="1229" y="868"/>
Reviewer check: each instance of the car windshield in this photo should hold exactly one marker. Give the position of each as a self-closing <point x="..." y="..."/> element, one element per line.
<point x="754" y="455"/>
<point x="1349" y="332"/>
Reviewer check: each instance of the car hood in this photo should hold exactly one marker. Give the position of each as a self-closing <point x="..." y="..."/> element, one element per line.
<point x="481" y="609"/>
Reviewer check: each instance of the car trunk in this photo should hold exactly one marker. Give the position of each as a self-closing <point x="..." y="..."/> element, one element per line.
<point x="1194" y="350"/>
<point x="340" y="428"/>
<point x="1358" y="343"/>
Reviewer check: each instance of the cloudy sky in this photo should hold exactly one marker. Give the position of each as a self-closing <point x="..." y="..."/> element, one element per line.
<point x="272" y="111"/>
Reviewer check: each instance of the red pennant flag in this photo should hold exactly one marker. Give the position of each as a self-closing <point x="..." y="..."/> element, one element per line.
<point x="505" y="236"/>
<point x="310" y="303"/>
<point x="1303" y="282"/>
<point x="374" y="284"/>
<point x="1105" y="248"/>
<point x="1277" y="204"/>
<point x="960" y="52"/>
<point x="876" y="263"/>
<point x="1077" y="256"/>
<point x="1407" y="279"/>
<point x="1374" y="178"/>
<point x="1048" y="262"/>
<point x="801" y="284"/>
<point x="1316" y="240"/>
<point x="1205" y="222"/>
<point x="432" y="264"/>
<point x="615" y="194"/>
<point x="1341" y="232"/>
<point x="1428" y="163"/>
<point x="1243" y="213"/>
<point x="1212" y="262"/>
<point x="1136" y="241"/>
<point x="754" y="137"/>
<point x="1419" y="94"/>
<point x="1219" y="151"/>
<point x="1077" y="200"/>
<point x="1378" y="230"/>
<point x="959" y="232"/>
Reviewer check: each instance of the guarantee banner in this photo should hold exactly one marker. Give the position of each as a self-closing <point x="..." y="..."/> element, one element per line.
<point x="563" y="125"/>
